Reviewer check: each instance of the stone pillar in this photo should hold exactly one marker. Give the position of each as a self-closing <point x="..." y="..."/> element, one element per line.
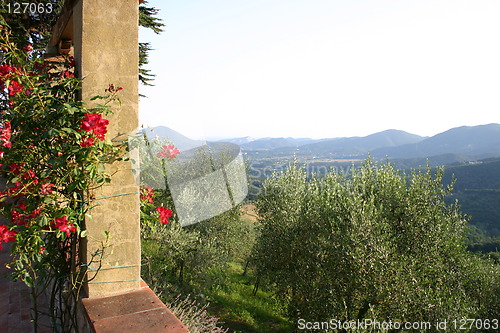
<point x="106" y="51"/>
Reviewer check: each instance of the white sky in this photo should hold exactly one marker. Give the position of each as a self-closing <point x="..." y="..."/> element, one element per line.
<point x="323" y="68"/>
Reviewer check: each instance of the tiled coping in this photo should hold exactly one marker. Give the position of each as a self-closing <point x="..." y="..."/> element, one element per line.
<point x="138" y="311"/>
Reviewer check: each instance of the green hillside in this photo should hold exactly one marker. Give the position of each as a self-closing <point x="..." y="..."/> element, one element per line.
<point x="477" y="190"/>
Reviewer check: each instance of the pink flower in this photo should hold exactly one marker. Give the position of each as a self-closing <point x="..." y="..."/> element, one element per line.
<point x="168" y="151"/>
<point x="46" y="188"/>
<point x="165" y="213"/>
<point x="147" y="194"/>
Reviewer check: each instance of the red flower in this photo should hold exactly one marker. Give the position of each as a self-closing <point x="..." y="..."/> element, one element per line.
<point x="16" y="168"/>
<point x="168" y="151"/>
<point x="18" y="218"/>
<point x="67" y="229"/>
<point x="87" y="142"/>
<point x="28" y="48"/>
<point x="67" y="74"/>
<point x="40" y="66"/>
<point x="72" y="62"/>
<point x="30" y="175"/>
<point x="7" y="235"/>
<point x="6" y="70"/>
<point x="22" y="206"/>
<point x="62" y="224"/>
<point x="93" y="122"/>
<point x="112" y="89"/>
<point x="15" y="87"/>
<point x="165" y="213"/>
<point x="5" y="131"/>
<point x="35" y="213"/>
<point x="147" y="194"/>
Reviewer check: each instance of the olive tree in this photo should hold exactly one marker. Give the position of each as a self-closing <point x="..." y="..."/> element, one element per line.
<point x="375" y="244"/>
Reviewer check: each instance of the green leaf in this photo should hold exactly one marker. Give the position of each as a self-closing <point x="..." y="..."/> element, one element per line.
<point x="72" y="186"/>
<point x="42" y="221"/>
<point x="52" y="132"/>
<point x="48" y="200"/>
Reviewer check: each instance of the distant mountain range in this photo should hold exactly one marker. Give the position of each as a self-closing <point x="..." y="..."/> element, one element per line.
<point x="479" y="141"/>
<point x="455" y="145"/>
<point x="348" y="147"/>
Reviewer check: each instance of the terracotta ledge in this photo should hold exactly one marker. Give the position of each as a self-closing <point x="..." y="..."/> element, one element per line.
<point x="135" y="311"/>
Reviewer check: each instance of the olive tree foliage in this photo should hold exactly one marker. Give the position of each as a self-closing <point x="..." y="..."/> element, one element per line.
<point x="376" y="244"/>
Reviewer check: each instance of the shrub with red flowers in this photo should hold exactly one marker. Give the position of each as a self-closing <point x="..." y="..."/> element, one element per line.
<point x="53" y="152"/>
<point x="153" y="166"/>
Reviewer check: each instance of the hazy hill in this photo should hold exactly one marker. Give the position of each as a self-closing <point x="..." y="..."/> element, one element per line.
<point x="478" y="141"/>
<point x="357" y="145"/>
<point x="273" y="143"/>
<point x="180" y="141"/>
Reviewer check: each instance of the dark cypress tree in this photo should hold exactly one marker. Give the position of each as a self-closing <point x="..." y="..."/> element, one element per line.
<point x="147" y="19"/>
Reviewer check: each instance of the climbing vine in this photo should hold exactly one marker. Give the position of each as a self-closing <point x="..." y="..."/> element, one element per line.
<point x="53" y="152"/>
